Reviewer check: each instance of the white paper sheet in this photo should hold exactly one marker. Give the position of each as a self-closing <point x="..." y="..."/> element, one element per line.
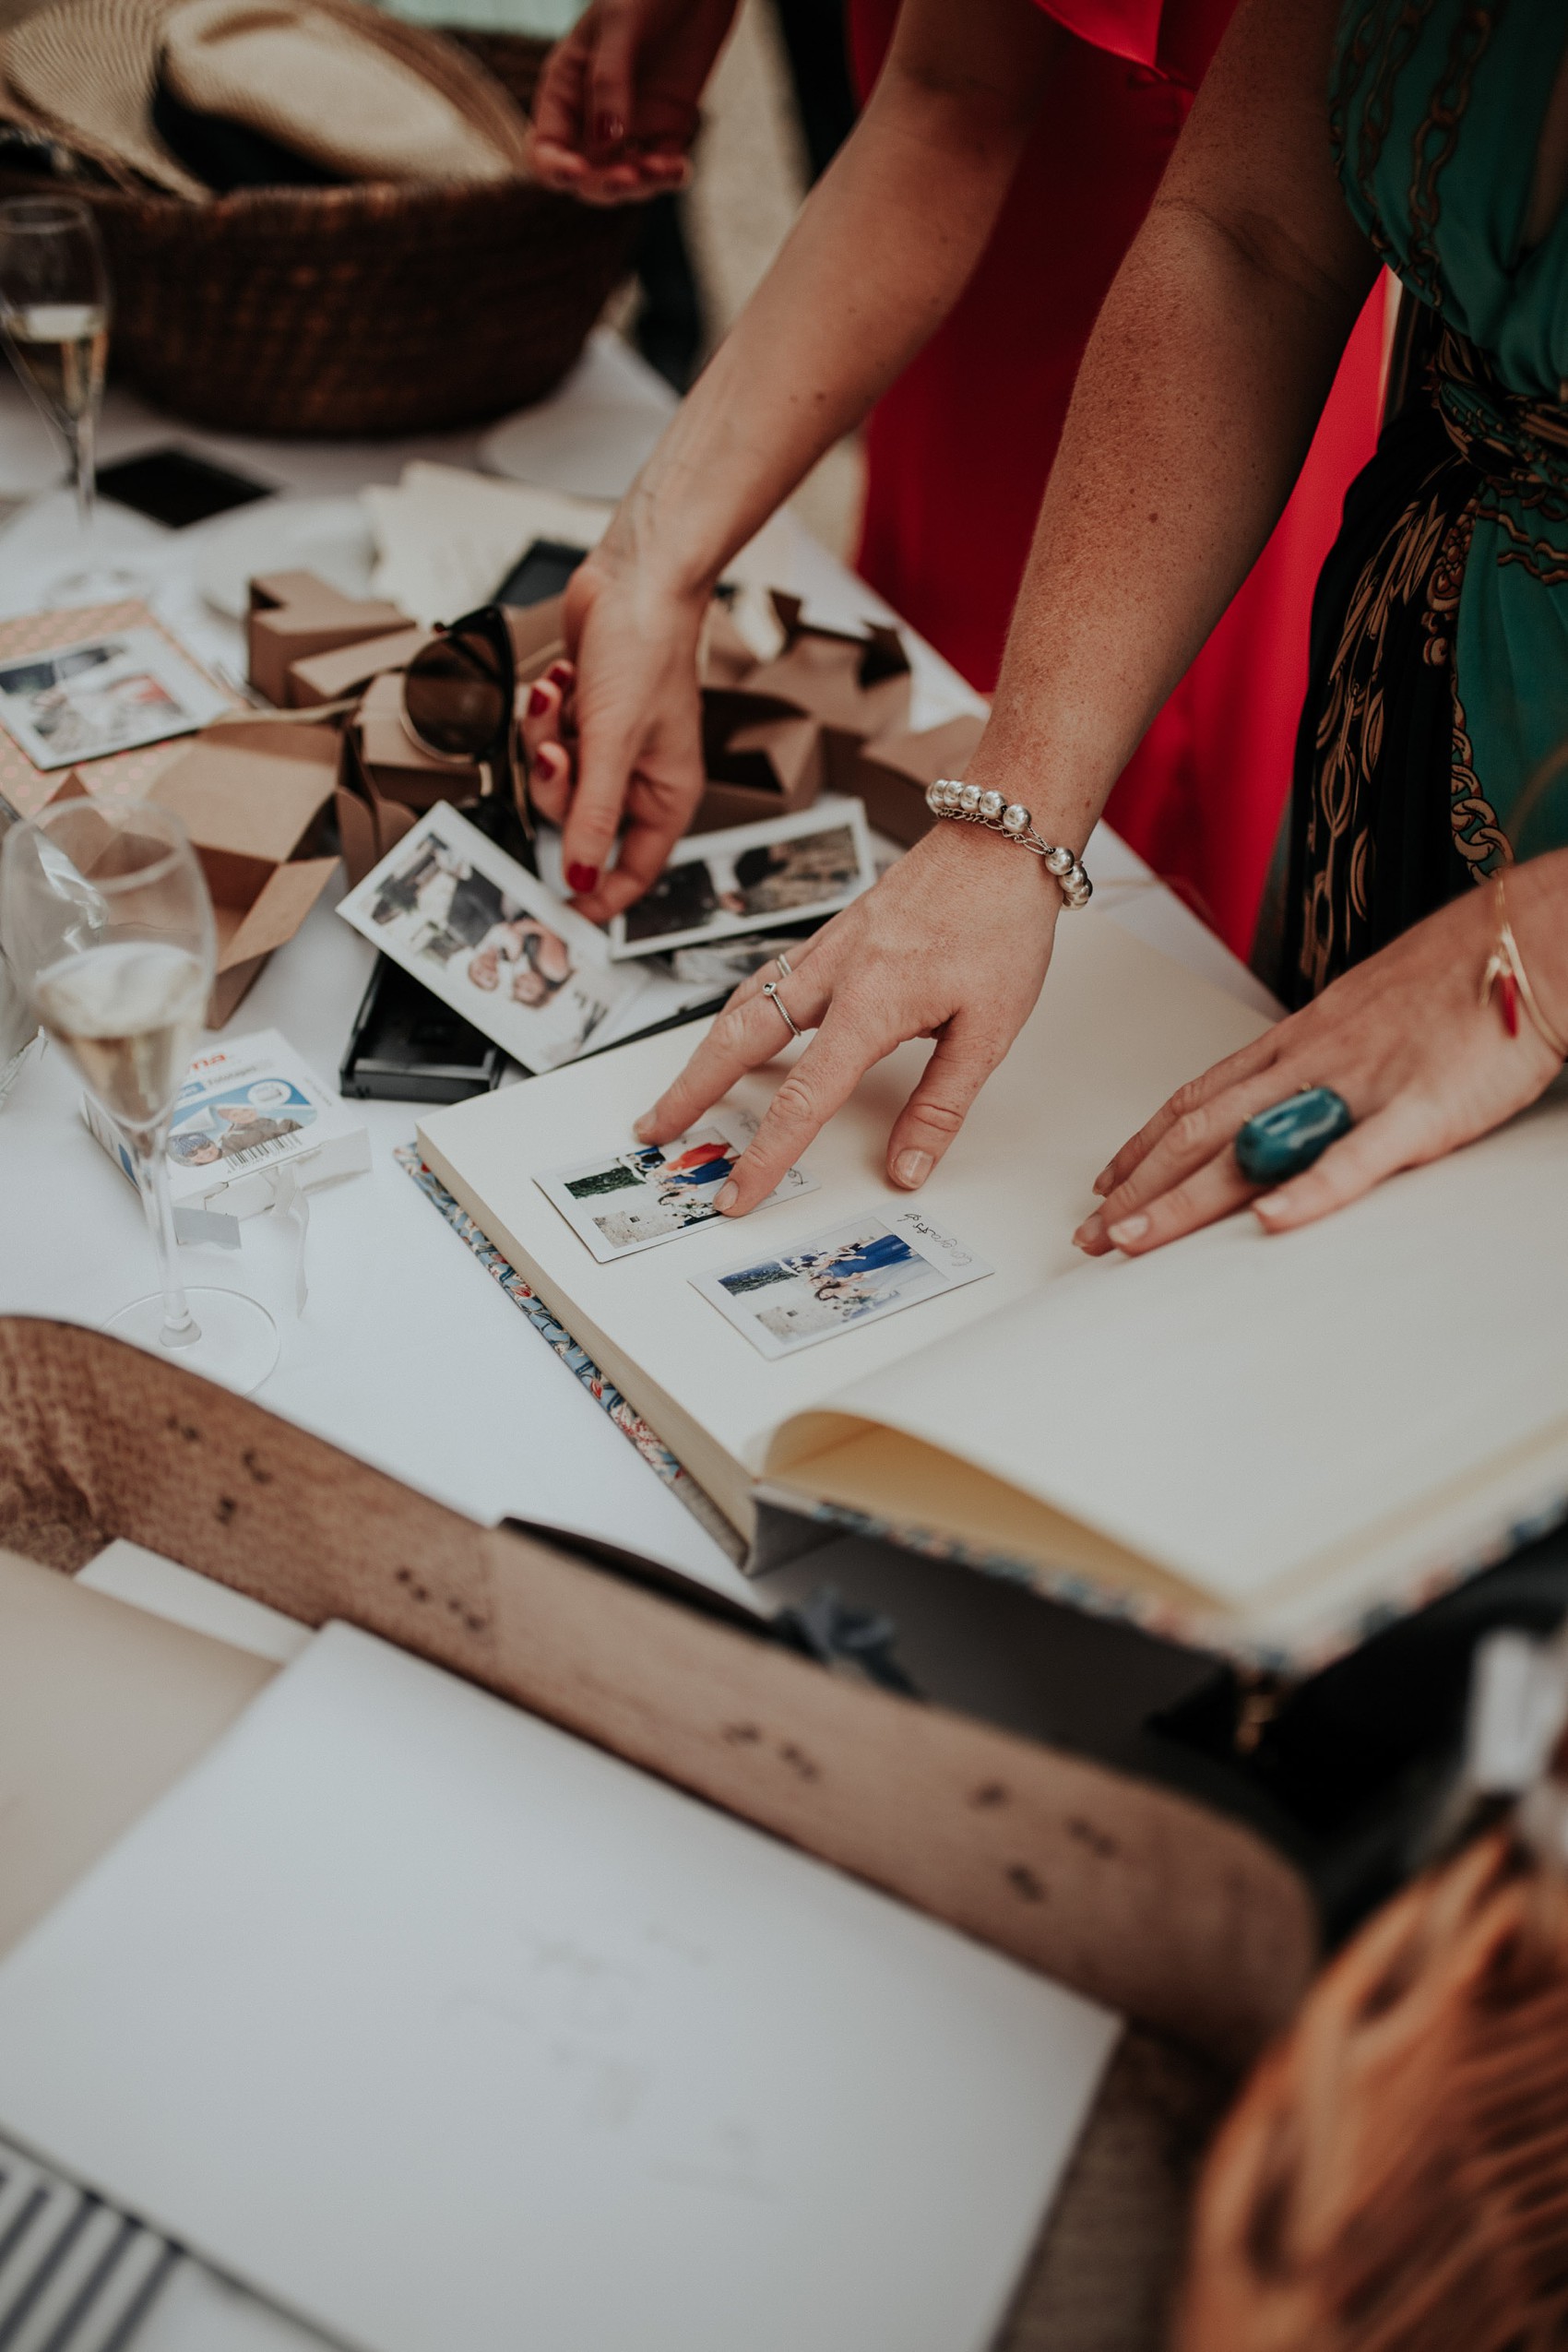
<point x="446" y="2029"/>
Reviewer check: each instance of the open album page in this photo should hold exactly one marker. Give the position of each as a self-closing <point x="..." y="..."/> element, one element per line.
<point x="1290" y="1431"/>
<point x="1119" y="1027"/>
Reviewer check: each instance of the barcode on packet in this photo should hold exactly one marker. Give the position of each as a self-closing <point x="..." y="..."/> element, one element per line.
<point x="272" y="1150"/>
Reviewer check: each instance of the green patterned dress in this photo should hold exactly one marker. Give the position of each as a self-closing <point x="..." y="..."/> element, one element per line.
<point x="1437" y="702"/>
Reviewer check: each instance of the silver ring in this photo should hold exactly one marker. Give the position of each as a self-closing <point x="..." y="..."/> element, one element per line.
<point x="770" y="988"/>
<point x="785" y="966"/>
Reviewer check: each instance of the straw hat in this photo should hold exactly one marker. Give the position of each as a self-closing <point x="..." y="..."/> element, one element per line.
<point x="364" y="95"/>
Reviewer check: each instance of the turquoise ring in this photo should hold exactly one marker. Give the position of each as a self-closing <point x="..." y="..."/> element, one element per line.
<point x="1279" y="1142"/>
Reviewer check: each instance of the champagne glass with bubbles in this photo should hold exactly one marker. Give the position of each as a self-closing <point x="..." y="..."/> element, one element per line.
<point x="108" y="925"/>
<point x="55" y="319"/>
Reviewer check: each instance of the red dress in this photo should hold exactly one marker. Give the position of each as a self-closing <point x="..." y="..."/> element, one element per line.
<point x="959" y="450"/>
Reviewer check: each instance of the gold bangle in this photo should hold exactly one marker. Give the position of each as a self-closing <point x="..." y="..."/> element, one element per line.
<point x="1506" y="965"/>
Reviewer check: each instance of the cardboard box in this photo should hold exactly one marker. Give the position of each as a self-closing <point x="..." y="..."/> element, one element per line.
<point x="250" y="796"/>
<point x="763" y="758"/>
<point x="387" y="779"/>
<point x="538" y="636"/>
<point x="890" y="775"/>
<point x="294" y="615"/>
<point x="346" y="670"/>
<point x="370" y="821"/>
<point x="854" y="684"/>
<point x="776" y="733"/>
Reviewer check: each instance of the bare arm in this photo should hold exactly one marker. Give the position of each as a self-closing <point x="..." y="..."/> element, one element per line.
<point x="1197" y="398"/>
<point x="882" y="249"/>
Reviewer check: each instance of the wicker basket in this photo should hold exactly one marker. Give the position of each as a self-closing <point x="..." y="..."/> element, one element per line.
<point x="1395" y="2178"/>
<point x="371" y="309"/>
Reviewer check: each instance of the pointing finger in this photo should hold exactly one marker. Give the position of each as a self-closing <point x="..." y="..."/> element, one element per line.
<point x="810" y="1090"/>
<point x="1191" y="1139"/>
<point x="741" y="1038"/>
<point x="1192" y="1097"/>
<point x="644" y="847"/>
<point x="965" y="1057"/>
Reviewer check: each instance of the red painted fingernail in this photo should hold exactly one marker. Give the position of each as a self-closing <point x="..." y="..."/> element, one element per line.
<point x="582" y="879"/>
<point x="610" y="130"/>
<point x="539" y="703"/>
<point x="559" y="673"/>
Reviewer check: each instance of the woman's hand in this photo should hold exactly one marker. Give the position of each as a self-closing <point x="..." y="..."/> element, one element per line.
<point x="1404" y="1038"/>
<point x="616" y="107"/>
<point x="614" y="734"/>
<point x="953" y="943"/>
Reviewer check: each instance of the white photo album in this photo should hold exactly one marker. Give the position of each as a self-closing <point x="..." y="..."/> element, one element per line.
<point x="108" y="694"/>
<point x="490" y="941"/>
<point x="632" y="1199"/>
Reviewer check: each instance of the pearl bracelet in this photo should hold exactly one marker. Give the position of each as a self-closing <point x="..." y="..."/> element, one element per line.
<point x="972" y="806"/>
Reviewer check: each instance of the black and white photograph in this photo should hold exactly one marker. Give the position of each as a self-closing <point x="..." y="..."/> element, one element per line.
<point x="636" y="1198"/>
<point x="106" y="694"/>
<point x="853" y="1274"/>
<point x="490" y="941"/>
<point x="719" y="885"/>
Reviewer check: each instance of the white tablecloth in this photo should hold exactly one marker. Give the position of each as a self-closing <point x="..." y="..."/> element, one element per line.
<point x="409" y="1353"/>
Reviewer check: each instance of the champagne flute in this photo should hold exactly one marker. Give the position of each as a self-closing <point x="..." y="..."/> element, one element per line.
<point x="108" y="925"/>
<point x="19" y="1023"/>
<point x="55" y="319"/>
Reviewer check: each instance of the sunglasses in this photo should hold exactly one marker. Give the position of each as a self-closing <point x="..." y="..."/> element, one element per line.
<point x="459" y="704"/>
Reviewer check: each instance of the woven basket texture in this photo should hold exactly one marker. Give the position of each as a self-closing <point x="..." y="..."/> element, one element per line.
<point x="372" y="309"/>
<point x="1395" y="2177"/>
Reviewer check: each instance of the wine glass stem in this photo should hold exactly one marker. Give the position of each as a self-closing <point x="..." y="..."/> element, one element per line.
<point x="84" y="468"/>
<point x="180" y="1327"/>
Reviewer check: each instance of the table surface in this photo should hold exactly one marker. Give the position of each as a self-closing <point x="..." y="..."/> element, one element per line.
<point x="409" y="1354"/>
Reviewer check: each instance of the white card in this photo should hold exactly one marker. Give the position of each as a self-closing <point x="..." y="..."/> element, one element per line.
<point x="490" y="941"/>
<point x="854" y="1273"/>
<point x="108" y="694"/>
<point x="751" y="877"/>
<point x="644" y="1193"/>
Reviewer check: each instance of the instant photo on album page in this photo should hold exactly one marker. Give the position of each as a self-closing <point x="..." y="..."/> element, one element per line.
<point x="640" y="1196"/>
<point x="1117" y="1031"/>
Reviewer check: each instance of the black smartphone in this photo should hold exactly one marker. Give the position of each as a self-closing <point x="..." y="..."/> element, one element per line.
<point x="406" y="1046"/>
<point x="542" y="571"/>
<point x="176" y="487"/>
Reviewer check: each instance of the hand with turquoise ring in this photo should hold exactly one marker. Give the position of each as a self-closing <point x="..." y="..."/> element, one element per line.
<point x="1402" y="1058"/>
<point x="1279" y="1143"/>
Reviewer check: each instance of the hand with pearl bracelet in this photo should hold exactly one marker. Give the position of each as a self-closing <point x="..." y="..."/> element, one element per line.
<point x="952" y="943"/>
